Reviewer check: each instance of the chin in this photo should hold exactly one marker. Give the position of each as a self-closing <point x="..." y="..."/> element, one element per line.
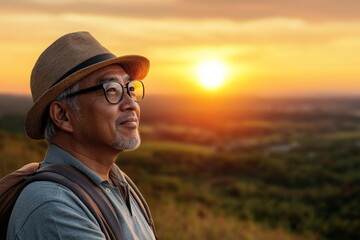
<point x="128" y="144"/>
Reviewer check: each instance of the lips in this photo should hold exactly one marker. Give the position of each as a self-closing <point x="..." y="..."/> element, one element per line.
<point x="130" y="122"/>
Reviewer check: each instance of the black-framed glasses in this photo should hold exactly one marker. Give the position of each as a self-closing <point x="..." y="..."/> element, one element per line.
<point x="114" y="91"/>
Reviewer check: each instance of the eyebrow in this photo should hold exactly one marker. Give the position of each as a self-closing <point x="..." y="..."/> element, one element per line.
<point x="126" y="78"/>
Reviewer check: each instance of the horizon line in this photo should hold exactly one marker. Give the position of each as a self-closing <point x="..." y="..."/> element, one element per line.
<point x="212" y="95"/>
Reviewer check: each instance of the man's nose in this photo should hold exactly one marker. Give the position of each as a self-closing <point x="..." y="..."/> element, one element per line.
<point x="128" y="103"/>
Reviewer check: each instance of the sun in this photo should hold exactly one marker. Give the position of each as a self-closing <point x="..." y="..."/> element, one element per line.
<point x="211" y="73"/>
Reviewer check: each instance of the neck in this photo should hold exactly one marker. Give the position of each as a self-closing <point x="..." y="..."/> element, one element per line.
<point x="98" y="160"/>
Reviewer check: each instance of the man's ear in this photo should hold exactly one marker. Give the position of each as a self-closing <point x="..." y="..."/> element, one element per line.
<point x="59" y="113"/>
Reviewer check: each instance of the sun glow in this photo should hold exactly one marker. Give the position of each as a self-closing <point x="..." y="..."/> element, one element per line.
<point x="211" y="73"/>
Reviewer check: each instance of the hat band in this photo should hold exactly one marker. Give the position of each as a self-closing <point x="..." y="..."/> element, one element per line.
<point x="86" y="63"/>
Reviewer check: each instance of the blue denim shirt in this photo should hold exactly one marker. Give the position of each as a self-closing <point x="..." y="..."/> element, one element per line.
<point x="46" y="210"/>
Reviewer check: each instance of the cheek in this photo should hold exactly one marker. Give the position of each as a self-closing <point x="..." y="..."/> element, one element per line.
<point x="98" y="116"/>
<point x="105" y="117"/>
<point x="96" y="120"/>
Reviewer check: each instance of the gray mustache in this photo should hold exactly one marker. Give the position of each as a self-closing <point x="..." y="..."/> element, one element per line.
<point x="123" y="118"/>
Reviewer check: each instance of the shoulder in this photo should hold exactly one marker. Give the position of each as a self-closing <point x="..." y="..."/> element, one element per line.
<point x="47" y="209"/>
<point x="38" y="193"/>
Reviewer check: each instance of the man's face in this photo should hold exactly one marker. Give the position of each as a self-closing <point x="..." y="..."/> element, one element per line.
<point x="101" y="124"/>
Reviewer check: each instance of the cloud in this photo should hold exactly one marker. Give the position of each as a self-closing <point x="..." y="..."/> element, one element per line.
<point x="309" y="10"/>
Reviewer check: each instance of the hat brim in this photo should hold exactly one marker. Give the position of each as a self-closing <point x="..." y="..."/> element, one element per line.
<point x="135" y="66"/>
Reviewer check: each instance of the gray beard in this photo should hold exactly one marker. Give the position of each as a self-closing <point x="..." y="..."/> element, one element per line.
<point x="127" y="143"/>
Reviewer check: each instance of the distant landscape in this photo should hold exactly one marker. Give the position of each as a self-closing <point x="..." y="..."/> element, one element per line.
<point x="235" y="167"/>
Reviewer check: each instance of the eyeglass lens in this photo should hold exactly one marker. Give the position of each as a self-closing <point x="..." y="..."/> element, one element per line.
<point x="136" y="90"/>
<point x="114" y="91"/>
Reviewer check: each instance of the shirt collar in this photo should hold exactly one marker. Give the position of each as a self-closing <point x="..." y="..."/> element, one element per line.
<point x="116" y="174"/>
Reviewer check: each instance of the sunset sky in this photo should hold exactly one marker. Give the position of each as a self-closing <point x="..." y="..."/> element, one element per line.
<point x="268" y="47"/>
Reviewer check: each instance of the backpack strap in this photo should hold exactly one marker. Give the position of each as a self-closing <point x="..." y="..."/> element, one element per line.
<point x="141" y="202"/>
<point x="92" y="197"/>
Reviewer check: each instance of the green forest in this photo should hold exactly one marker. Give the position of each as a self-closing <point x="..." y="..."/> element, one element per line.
<point x="287" y="171"/>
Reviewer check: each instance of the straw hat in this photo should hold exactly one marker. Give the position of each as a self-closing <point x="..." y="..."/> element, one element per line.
<point x="65" y="62"/>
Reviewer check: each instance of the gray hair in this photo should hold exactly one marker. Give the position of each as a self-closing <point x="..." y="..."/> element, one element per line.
<point x="50" y="128"/>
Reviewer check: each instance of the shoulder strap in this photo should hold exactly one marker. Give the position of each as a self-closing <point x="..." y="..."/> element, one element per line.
<point x="141" y="202"/>
<point x="92" y="197"/>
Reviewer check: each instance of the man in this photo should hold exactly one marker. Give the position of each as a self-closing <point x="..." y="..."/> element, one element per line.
<point x="86" y="107"/>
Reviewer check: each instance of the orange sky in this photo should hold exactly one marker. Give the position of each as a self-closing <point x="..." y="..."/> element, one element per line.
<point x="277" y="47"/>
